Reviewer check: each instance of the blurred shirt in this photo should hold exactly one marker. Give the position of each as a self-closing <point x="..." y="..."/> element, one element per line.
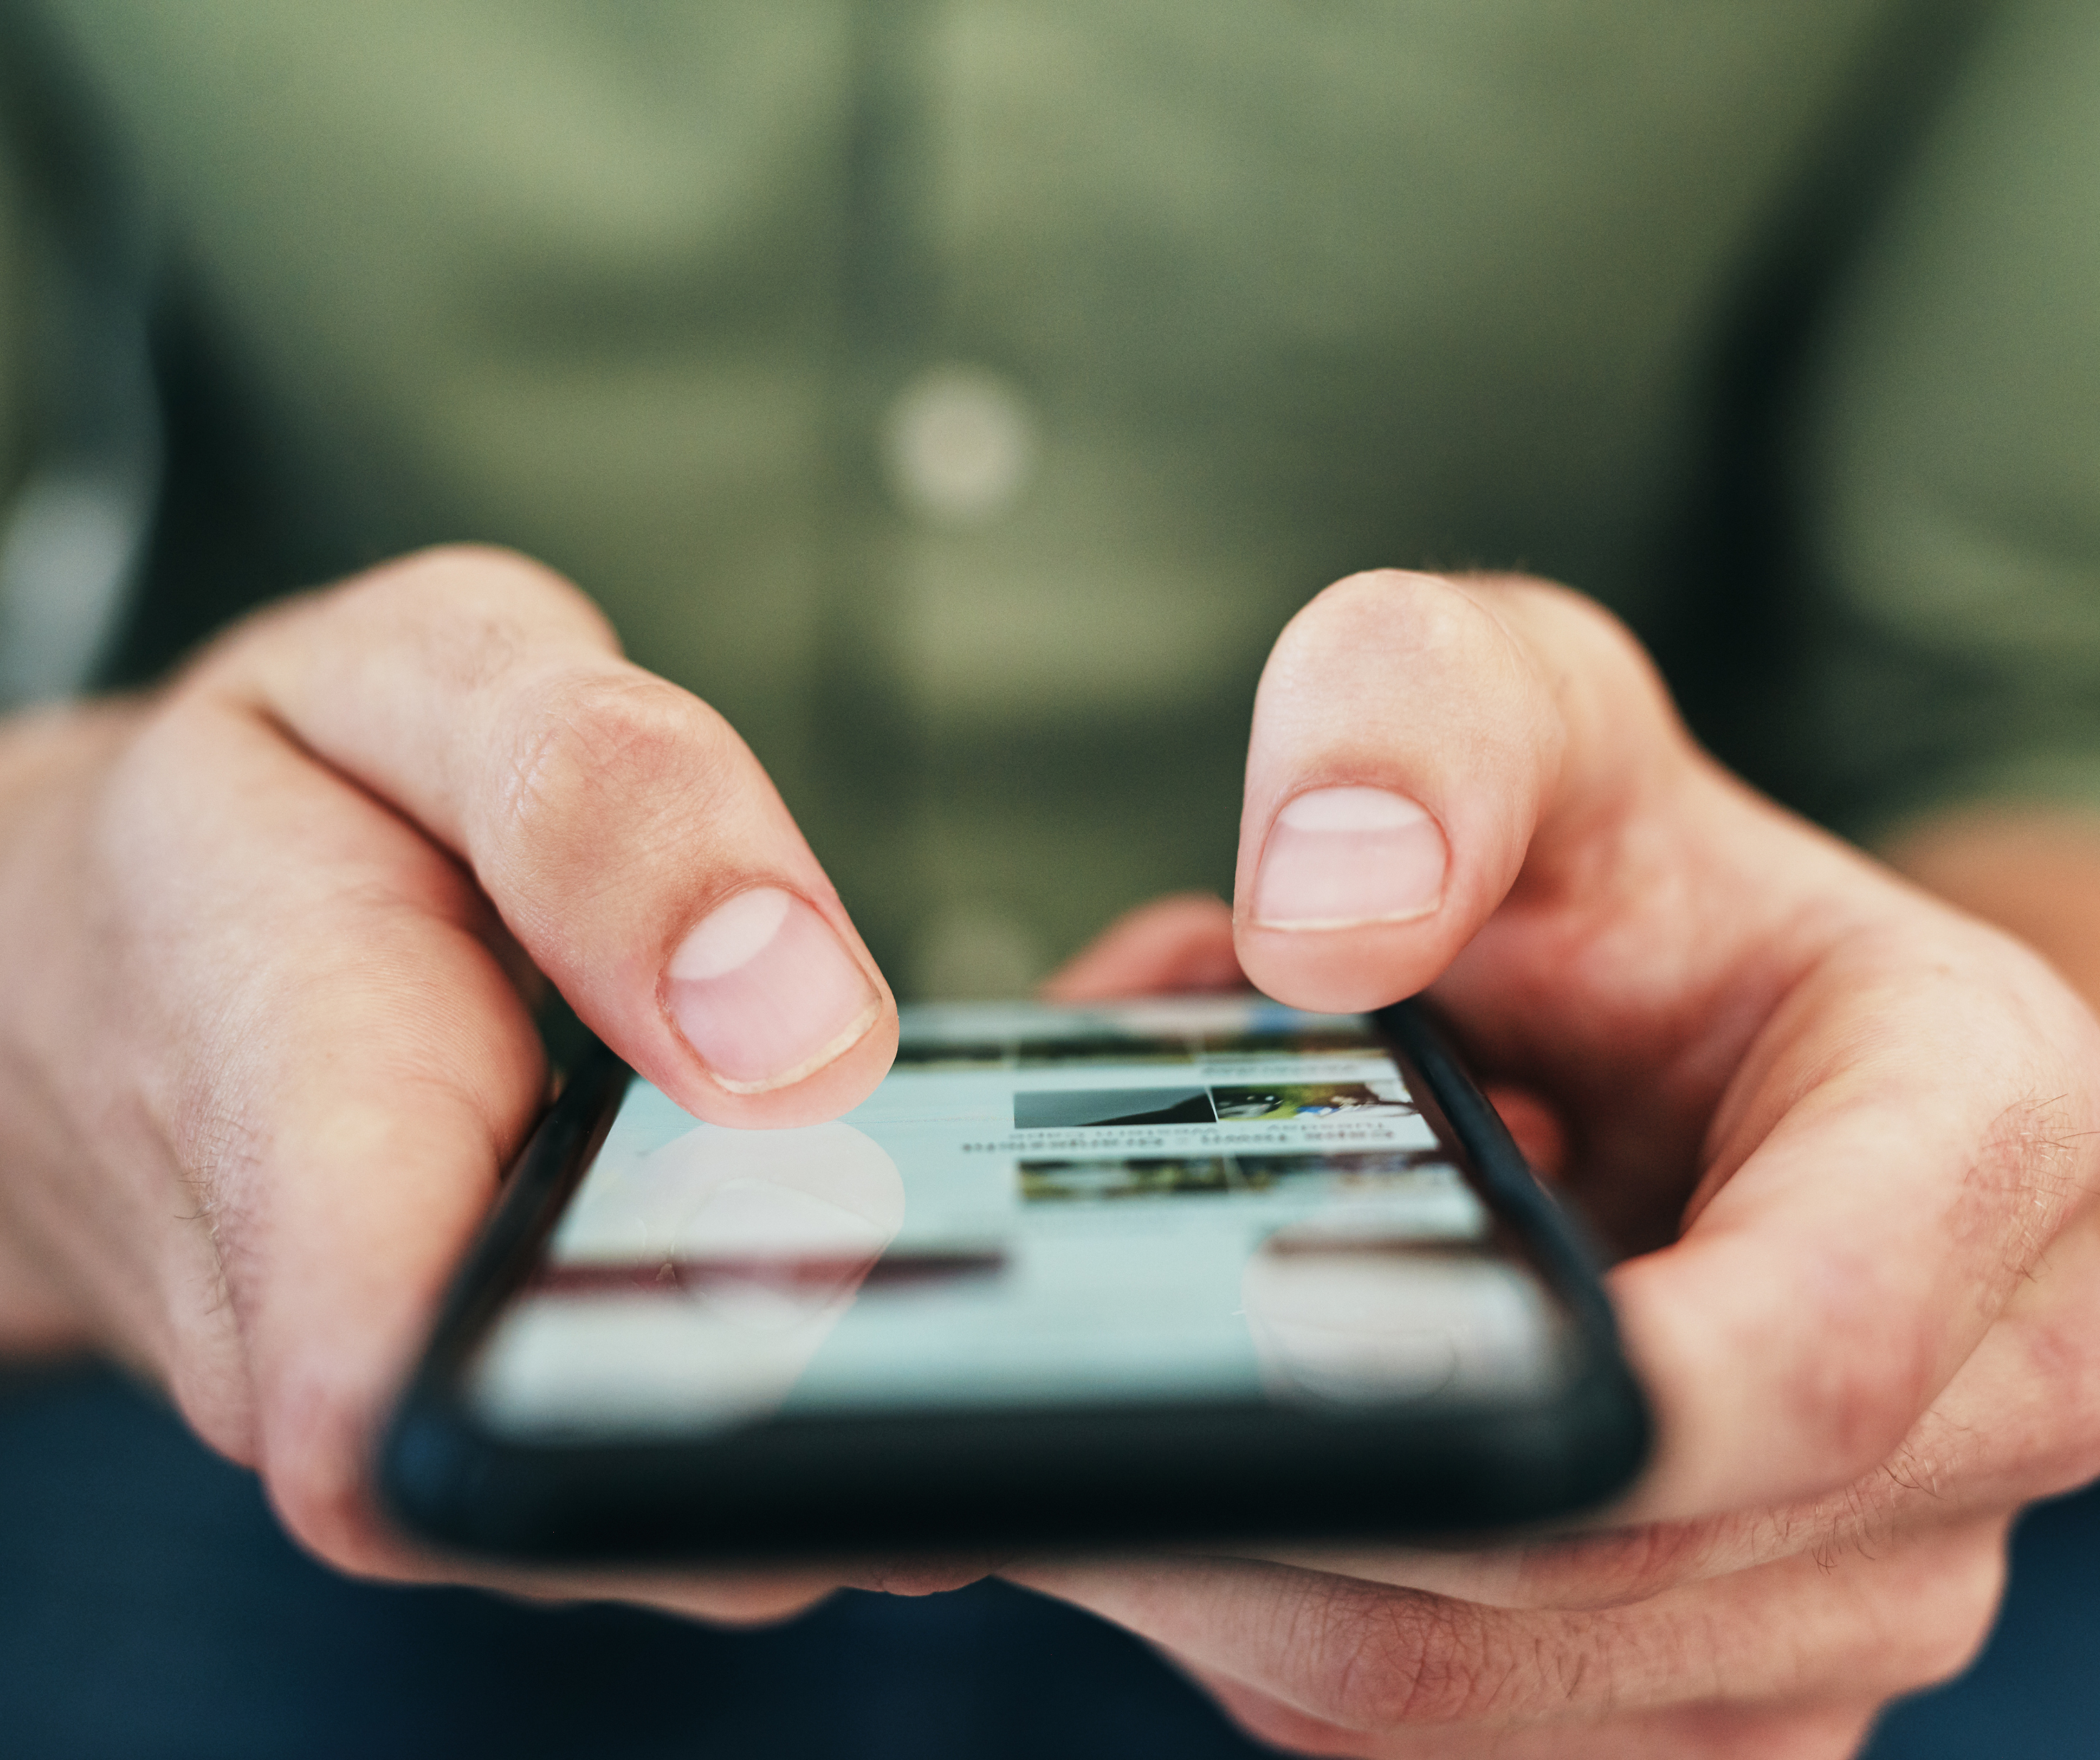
<point x="960" y="396"/>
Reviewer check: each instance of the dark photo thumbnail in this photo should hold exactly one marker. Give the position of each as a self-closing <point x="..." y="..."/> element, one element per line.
<point x="1130" y="1177"/>
<point x="1364" y="1174"/>
<point x="950" y="1053"/>
<point x="1301" y="1100"/>
<point x="1367" y="1168"/>
<point x="1084" y="1108"/>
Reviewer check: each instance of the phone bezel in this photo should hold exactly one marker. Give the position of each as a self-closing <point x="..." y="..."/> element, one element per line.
<point x="1115" y="1476"/>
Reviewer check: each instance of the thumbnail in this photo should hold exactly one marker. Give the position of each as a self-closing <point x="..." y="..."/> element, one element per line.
<point x="1298" y="1100"/>
<point x="1094" y="1108"/>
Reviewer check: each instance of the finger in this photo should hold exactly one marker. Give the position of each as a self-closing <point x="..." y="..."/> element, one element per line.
<point x="630" y="840"/>
<point x="1606" y="915"/>
<point x="342" y="1111"/>
<point x="1725" y="996"/>
<point x="332" y="1060"/>
<point x="1411" y="735"/>
<point x="1376" y="1661"/>
<point x="1536" y="1126"/>
<point x="2020" y="1421"/>
<point x="1181" y="943"/>
<point x="751" y="1598"/>
<point x="1864" y="1217"/>
<point x="1695" y="1732"/>
<point x="758" y="1599"/>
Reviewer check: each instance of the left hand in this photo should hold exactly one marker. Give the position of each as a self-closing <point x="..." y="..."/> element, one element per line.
<point x="1849" y="1138"/>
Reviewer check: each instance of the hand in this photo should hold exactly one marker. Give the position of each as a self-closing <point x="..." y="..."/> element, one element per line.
<point x="266" y="944"/>
<point x="1848" y="1136"/>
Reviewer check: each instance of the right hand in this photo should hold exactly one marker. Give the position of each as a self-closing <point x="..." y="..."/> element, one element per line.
<point x="1848" y="1137"/>
<point x="267" y="944"/>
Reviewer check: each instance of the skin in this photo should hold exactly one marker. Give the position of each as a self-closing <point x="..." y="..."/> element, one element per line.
<point x="269" y="937"/>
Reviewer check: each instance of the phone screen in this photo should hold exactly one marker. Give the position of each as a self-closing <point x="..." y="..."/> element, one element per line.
<point x="1185" y="1201"/>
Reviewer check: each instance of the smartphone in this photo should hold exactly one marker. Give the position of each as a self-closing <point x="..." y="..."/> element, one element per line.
<point x="1186" y="1270"/>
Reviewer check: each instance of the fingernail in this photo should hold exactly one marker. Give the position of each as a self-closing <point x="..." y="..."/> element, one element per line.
<point x="1340" y="857"/>
<point x="766" y="993"/>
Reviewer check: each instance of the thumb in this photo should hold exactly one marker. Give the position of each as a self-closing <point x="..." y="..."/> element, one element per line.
<point x="1419" y="744"/>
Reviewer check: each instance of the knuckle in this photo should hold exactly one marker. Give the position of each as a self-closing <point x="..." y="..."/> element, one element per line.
<point x="467" y="574"/>
<point x="1854" y="1404"/>
<point x="315" y="1448"/>
<point x="2027" y="1175"/>
<point x="585" y="733"/>
<point x="1394" y="1658"/>
<point x="1886" y="1620"/>
<point x="226" y="664"/>
<point x="590" y="739"/>
<point x="209" y="1384"/>
<point x="1620" y="1568"/>
<point x="467" y="611"/>
<point x="1385" y="608"/>
<point x="1422" y="646"/>
<point x="1592" y="664"/>
<point x="2060" y="1441"/>
<point x="1561" y="618"/>
<point x="325" y="1513"/>
<point x="1942" y="1630"/>
<point x="474" y="609"/>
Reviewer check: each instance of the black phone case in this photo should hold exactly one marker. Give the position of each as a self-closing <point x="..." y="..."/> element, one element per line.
<point x="1107" y="1476"/>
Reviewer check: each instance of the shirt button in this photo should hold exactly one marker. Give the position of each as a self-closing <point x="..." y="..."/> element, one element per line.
<point x="958" y="445"/>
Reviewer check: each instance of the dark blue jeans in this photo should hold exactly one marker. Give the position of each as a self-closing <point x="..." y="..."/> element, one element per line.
<point x="150" y="1609"/>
